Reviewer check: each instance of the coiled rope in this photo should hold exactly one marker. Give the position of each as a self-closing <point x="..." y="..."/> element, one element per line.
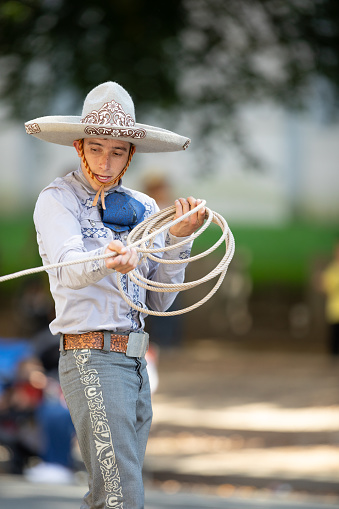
<point x="141" y="238"/>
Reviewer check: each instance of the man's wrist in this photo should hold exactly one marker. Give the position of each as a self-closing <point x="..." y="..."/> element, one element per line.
<point x="173" y="239"/>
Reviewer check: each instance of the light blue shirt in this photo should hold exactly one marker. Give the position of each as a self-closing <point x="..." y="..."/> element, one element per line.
<point x="86" y="295"/>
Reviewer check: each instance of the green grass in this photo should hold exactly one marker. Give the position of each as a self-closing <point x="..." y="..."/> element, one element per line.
<point x="277" y="254"/>
<point x="18" y="248"/>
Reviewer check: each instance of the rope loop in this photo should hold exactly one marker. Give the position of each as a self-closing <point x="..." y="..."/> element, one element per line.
<point x="154" y="226"/>
<point x="142" y="237"/>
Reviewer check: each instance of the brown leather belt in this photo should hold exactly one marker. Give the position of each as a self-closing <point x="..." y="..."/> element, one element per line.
<point x="95" y="340"/>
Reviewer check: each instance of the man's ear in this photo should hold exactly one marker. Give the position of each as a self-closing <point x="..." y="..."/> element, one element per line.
<point x="76" y="146"/>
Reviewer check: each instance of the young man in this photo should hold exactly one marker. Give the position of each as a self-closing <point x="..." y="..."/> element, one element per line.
<point x="102" y="366"/>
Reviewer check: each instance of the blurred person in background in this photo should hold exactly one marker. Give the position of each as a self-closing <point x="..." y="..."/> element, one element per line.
<point x="102" y="364"/>
<point x="330" y="286"/>
<point x="35" y="306"/>
<point x="157" y="185"/>
<point x="35" y="422"/>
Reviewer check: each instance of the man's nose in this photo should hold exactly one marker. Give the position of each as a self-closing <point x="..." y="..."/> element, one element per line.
<point x="105" y="161"/>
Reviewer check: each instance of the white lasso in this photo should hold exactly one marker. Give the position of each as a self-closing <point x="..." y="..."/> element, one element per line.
<point x="142" y="235"/>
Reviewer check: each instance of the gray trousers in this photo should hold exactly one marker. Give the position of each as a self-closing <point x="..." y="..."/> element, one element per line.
<point x="108" y="395"/>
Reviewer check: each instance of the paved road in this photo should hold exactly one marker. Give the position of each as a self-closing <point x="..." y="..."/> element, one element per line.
<point x="16" y="493"/>
<point x="226" y="416"/>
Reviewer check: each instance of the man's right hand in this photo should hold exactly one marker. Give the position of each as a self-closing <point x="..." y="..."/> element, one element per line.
<point x="125" y="260"/>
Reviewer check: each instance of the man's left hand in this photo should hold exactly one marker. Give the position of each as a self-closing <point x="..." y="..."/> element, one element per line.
<point x="189" y="225"/>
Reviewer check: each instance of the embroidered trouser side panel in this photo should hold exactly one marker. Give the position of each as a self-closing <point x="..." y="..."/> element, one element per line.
<point x="108" y="396"/>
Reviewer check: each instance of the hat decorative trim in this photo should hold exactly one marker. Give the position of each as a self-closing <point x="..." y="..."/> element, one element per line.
<point x="116" y="133"/>
<point x="108" y="112"/>
<point x="111" y="114"/>
<point x="32" y="128"/>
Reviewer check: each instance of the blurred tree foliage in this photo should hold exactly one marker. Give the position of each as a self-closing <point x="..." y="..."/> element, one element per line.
<point x="49" y="46"/>
<point x="215" y="54"/>
<point x="241" y="50"/>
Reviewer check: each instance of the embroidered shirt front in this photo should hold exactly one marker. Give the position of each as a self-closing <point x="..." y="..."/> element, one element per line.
<point x="86" y="295"/>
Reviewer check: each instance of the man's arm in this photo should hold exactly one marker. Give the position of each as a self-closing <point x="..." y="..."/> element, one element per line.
<point x="60" y="240"/>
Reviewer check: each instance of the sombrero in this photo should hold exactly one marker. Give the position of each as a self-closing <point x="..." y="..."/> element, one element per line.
<point x="108" y="112"/>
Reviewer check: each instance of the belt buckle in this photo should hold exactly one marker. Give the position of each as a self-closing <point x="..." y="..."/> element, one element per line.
<point x="137" y="345"/>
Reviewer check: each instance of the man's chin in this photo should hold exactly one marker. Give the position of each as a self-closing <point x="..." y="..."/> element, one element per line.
<point x="107" y="187"/>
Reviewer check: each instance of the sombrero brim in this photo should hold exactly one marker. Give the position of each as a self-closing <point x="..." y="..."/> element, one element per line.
<point x="64" y="130"/>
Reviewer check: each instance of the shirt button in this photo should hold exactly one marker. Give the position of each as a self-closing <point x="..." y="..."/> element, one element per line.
<point x="124" y="237"/>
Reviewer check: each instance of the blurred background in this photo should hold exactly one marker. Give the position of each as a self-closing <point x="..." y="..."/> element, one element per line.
<point x="255" y="85"/>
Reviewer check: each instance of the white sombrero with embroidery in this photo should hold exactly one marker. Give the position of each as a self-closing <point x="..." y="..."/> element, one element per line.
<point x="108" y="112"/>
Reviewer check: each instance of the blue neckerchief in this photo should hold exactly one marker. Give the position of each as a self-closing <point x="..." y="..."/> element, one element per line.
<point x="122" y="212"/>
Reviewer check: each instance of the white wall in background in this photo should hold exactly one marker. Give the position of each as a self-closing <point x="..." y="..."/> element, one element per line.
<point x="301" y="156"/>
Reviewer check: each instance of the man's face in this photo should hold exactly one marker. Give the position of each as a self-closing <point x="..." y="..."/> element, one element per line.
<point x="106" y="159"/>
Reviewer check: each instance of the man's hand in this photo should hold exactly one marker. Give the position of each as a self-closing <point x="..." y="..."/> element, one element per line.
<point x="191" y="223"/>
<point x="126" y="259"/>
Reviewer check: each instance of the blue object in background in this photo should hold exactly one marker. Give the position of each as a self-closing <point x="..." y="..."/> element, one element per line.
<point x="12" y="351"/>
